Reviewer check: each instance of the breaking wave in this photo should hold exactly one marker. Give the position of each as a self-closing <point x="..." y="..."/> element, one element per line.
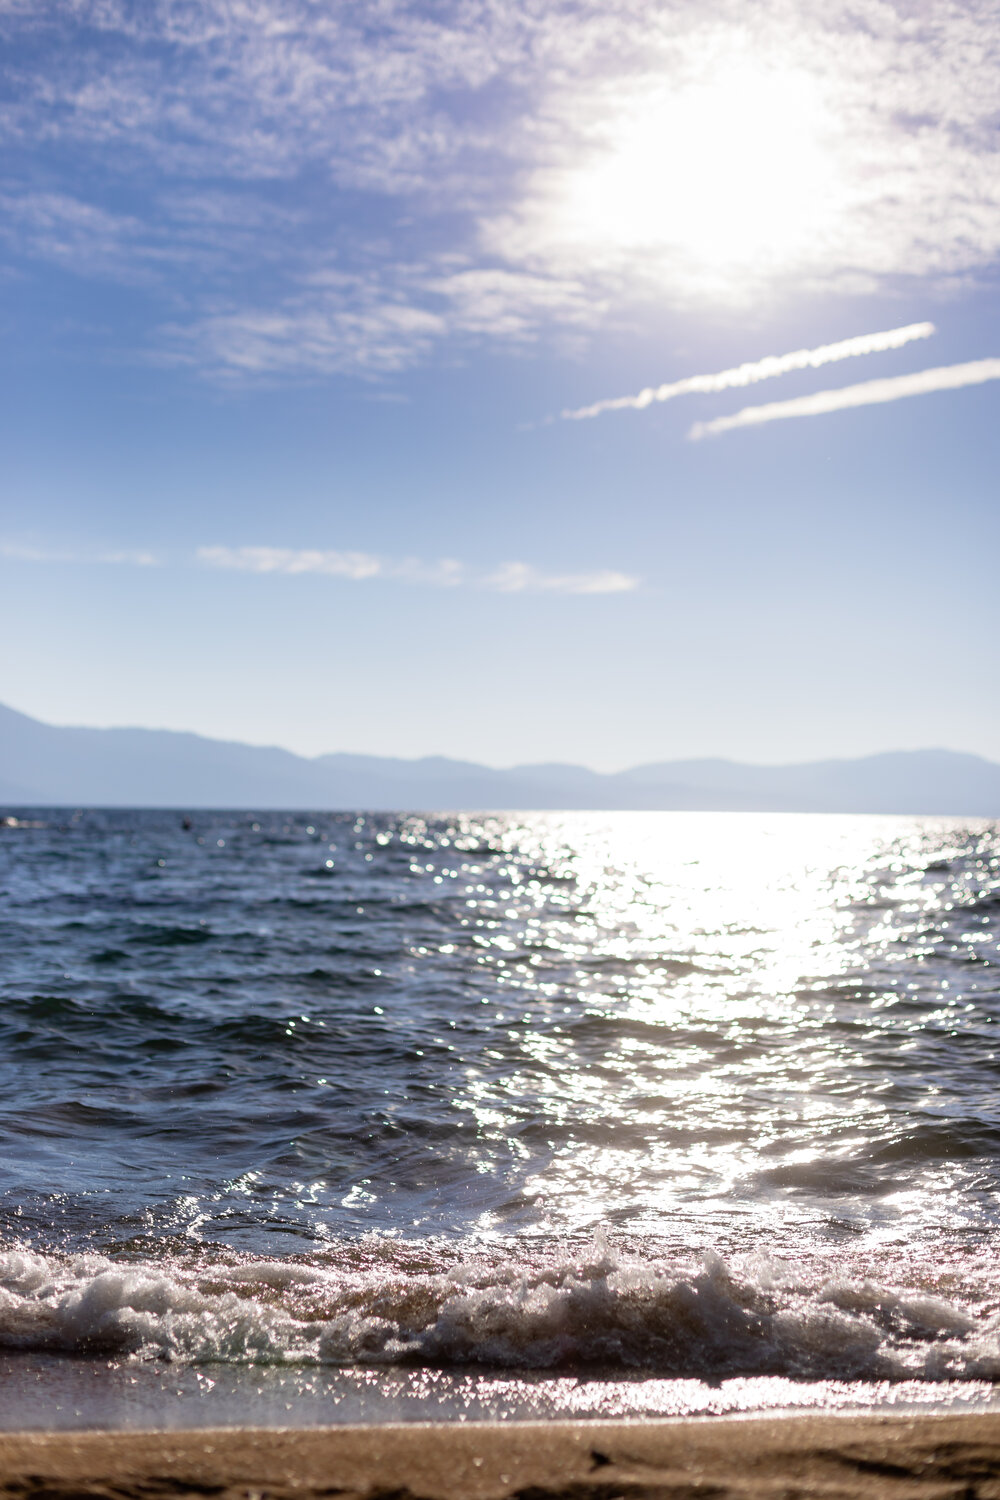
<point x="602" y="1309"/>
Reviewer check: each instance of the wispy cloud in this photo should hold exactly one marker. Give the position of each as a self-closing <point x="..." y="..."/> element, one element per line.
<point x="384" y="320"/>
<point x="767" y="368"/>
<point x="869" y="393"/>
<point x="509" y="578"/>
<point x="127" y="558"/>
<point x="517" y="578"/>
<point x="510" y="304"/>
<point x="75" y="235"/>
<point x="357" y="567"/>
<point x="361" y="329"/>
<point x="427" y="150"/>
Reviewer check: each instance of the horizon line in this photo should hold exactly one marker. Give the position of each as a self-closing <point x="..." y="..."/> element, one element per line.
<point x="527" y="765"/>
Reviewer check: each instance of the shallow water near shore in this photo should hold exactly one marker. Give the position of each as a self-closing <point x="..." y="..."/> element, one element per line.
<point x="388" y="1117"/>
<point x="44" y="1393"/>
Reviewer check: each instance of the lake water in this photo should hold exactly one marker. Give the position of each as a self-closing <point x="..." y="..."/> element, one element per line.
<point x="354" y="1116"/>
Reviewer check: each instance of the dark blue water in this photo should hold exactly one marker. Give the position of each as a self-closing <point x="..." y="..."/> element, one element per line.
<point x="384" y="1088"/>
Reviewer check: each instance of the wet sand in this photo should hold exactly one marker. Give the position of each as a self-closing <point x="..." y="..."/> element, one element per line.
<point x="948" y="1457"/>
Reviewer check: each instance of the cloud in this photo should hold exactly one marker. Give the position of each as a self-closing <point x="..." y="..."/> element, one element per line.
<point x="378" y="322"/>
<point x="248" y="90"/>
<point x="78" y="236"/>
<point x="356" y="329"/>
<point x="510" y="578"/>
<point x="356" y="565"/>
<point x="761" y="369"/>
<point x="517" y="578"/>
<point x="222" y="157"/>
<point x="213" y="235"/>
<point x="509" y="304"/>
<point x="870" y="393"/>
<point x="754" y="149"/>
<point x="133" y="559"/>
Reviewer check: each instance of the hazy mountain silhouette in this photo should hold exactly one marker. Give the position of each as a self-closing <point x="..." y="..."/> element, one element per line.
<point x="42" y="765"/>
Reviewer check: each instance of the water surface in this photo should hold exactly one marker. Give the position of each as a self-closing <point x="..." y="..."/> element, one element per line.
<point x="676" y="1095"/>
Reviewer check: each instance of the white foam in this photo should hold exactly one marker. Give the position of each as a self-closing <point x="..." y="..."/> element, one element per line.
<point x="629" y="1312"/>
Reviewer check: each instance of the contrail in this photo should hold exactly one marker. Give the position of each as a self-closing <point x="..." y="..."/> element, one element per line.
<point x="760" y="369"/>
<point x="869" y="393"/>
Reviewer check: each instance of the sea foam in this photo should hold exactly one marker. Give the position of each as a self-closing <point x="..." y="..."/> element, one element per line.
<point x="599" y="1310"/>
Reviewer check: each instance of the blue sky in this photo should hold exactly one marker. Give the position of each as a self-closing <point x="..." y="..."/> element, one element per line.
<point x="295" y="294"/>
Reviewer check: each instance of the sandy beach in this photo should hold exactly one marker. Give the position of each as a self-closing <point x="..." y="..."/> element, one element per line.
<point x="946" y="1457"/>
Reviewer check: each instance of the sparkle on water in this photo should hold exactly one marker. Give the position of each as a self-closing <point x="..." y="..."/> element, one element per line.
<point x="503" y="1025"/>
<point x="354" y="1089"/>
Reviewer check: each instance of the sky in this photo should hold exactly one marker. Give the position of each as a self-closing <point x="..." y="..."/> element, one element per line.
<point x="524" y="381"/>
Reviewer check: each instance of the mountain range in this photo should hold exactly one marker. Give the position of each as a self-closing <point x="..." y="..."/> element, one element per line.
<point x="42" y="765"/>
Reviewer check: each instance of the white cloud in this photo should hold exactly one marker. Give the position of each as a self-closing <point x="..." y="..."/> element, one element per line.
<point x="78" y="236"/>
<point x="214" y="137"/>
<point x="761" y="369"/>
<point x="250" y="90"/>
<point x="379" y="322"/>
<point x="510" y="578"/>
<point x="354" y="329"/>
<point x="508" y="304"/>
<point x="518" y="578"/>
<point x="356" y="565"/>
<point x="869" y="393"/>
<point x="757" y="148"/>
<point x="21" y="553"/>
<point x="161" y="242"/>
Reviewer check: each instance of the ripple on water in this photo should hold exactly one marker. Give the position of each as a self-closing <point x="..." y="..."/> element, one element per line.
<point x="498" y="1026"/>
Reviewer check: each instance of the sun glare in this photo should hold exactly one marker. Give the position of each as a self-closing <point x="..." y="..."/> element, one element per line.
<point x="738" y="172"/>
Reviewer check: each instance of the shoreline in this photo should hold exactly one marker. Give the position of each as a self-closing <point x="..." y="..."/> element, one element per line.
<point x="944" y="1456"/>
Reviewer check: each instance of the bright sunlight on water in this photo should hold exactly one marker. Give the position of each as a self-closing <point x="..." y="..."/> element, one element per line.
<point x="688" y="1094"/>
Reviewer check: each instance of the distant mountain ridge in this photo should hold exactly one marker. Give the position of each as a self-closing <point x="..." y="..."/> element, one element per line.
<point x="43" y="765"/>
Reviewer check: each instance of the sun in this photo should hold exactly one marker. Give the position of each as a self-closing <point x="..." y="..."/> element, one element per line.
<point x="734" y="174"/>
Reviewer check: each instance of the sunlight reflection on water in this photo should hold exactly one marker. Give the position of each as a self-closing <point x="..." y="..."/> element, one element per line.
<point x="698" y="1026"/>
<point x="753" y="1001"/>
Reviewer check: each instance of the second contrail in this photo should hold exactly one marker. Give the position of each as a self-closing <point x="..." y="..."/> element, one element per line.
<point x="760" y="369"/>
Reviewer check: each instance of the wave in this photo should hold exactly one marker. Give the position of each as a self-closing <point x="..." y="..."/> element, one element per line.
<point x="602" y="1310"/>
